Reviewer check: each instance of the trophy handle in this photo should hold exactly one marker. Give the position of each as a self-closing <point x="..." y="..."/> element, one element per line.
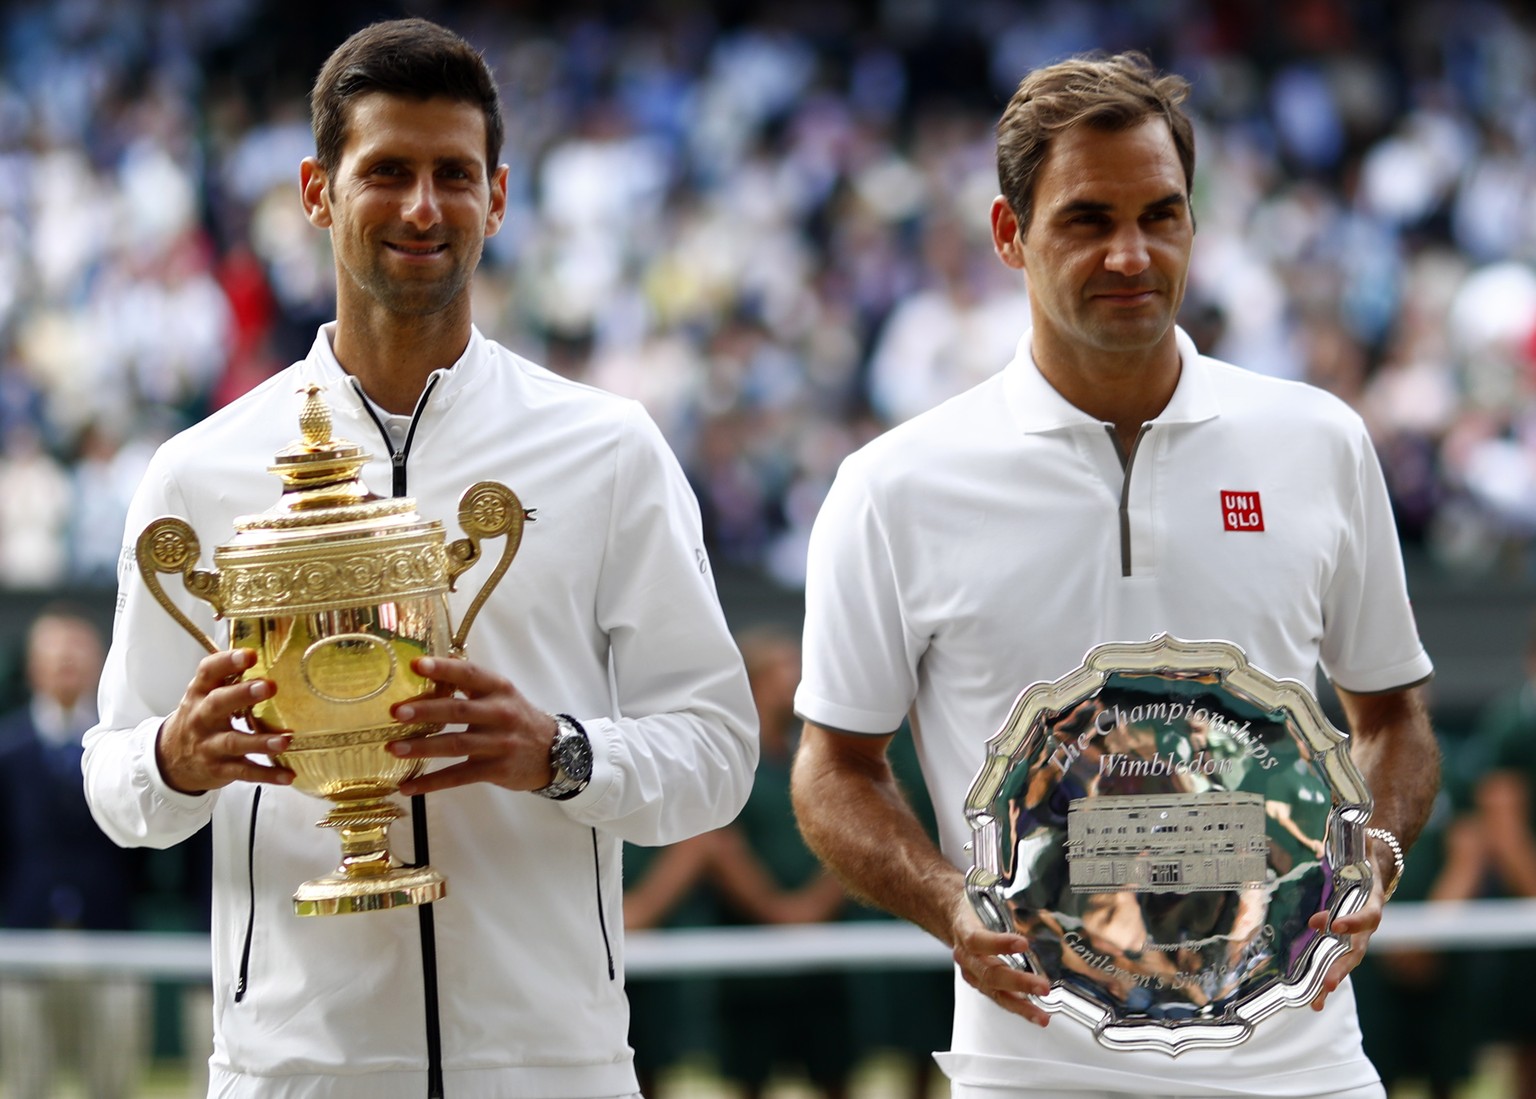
<point x="170" y="545"/>
<point x="488" y="509"/>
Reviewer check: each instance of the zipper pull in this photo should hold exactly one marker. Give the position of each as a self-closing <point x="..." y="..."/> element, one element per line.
<point x="397" y="464"/>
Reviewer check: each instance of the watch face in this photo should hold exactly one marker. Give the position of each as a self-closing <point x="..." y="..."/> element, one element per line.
<point x="575" y="754"/>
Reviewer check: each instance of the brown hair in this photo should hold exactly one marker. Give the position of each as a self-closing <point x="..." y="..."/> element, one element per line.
<point x="1108" y="93"/>
<point x="405" y="57"/>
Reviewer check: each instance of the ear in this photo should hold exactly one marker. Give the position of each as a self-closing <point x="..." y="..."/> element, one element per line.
<point x="498" y="211"/>
<point x="1007" y="235"/>
<point x="314" y="194"/>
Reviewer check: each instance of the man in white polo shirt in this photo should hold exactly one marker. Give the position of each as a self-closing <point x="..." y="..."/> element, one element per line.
<point x="1109" y="484"/>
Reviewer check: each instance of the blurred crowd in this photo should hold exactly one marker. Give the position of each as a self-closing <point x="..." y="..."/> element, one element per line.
<point x="768" y="222"/>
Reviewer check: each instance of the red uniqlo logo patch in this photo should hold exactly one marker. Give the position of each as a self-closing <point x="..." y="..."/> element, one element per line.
<point x="1241" y="511"/>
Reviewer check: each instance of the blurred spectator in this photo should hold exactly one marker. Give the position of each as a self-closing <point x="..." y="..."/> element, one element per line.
<point x="34" y="514"/>
<point x="1426" y="1014"/>
<point x="103" y="477"/>
<point x="672" y="1021"/>
<point x="758" y="871"/>
<point x="1505" y="738"/>
<point x="755" y="871"/>
<point x="766" y="875"/>
<point x="948" y="336"/>
<point x="61" y="872"/>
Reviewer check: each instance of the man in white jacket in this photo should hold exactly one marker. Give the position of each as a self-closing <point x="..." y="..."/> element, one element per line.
<point x="513" y="983"/>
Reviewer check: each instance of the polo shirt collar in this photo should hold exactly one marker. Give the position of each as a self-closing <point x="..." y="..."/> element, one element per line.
<point x="1036" y="406"/>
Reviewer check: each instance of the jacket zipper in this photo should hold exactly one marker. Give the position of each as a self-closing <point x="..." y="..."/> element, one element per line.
<point x="1127" y="462"/>
<point x="397" y="459"/>
<point x="250" y="920"/>
<point x="425" y="914"/>
<point x="602" y="922"/>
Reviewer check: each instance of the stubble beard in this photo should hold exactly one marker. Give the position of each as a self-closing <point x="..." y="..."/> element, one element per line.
<point x="410" y="297"/>
<point x="1129" y="333"/>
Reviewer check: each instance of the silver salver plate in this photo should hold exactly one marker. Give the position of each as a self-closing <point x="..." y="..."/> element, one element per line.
<point x="1161" y="824"/>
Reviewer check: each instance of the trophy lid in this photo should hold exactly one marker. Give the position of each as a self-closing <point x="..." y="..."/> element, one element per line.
<point x="322" y="485"/>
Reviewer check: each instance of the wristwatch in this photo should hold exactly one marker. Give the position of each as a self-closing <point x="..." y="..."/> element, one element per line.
<point x="571" y="757"/>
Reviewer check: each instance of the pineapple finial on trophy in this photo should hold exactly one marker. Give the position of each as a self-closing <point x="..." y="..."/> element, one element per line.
<point x="315" y="416"/>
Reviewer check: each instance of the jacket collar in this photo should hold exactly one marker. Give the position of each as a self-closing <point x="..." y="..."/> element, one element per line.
<point x="1037" y="407"/>
<point x="322" y="367"/>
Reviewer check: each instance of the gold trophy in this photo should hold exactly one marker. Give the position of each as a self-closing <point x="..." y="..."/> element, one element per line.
<point x="337" y="590"/>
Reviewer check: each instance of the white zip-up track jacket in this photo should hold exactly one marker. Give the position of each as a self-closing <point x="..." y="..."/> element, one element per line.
<point x="608" y="612"/>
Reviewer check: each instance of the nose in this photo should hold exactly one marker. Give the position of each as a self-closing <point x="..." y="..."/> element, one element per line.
<point x="421" y="207"/>
<point x="1127" y="251"/>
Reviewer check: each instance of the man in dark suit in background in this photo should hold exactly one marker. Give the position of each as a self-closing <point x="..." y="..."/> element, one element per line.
<point x="61" y="872"/>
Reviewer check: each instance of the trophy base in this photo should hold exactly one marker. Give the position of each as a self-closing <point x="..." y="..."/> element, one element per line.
<point x="339" y="894"/>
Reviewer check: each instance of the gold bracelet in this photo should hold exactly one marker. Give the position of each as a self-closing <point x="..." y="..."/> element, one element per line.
<point x="1397" y="859"/>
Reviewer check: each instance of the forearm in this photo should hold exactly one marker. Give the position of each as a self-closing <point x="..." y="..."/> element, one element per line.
<point x="854" y="816"/>
<point x="672" y="873"/>
<point x="1466" y="861"/>
<point x="739" y="875"/>
<point x="1514" y="860"/>
<point x="1280" y="813"/>
<point x="1395" y="750"/>
<point x="747" y="886"/>
<point x="822" y="898"/>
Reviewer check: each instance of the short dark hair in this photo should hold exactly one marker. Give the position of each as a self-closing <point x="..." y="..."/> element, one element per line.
<point x="1107" y="93"/>
<point x="406" y="57"/>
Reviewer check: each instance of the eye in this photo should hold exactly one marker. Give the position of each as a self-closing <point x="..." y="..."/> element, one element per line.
<point x="1174" y="214"/>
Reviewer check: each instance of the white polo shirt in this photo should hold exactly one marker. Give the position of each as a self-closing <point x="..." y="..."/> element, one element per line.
<point x="991" y="542"/>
